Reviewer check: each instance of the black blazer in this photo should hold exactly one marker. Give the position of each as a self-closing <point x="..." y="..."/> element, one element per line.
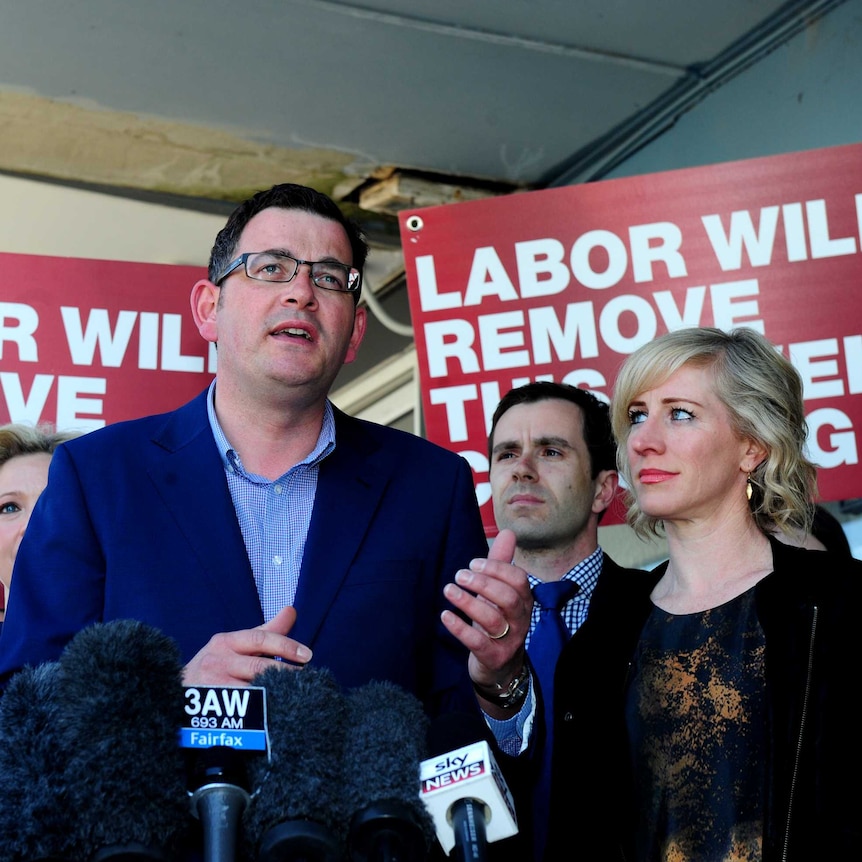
<point x="808" y="608"/>
<point x="585" y="694"/>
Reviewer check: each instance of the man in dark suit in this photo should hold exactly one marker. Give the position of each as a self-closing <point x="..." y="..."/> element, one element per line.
<point x="553" y="475"/>
<point x="258" y="523"/>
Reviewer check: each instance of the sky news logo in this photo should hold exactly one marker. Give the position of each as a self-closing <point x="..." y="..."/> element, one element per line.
<point x="455" y="774"/>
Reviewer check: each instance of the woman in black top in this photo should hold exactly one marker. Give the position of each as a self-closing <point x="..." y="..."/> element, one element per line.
<point x="738" y="704"/>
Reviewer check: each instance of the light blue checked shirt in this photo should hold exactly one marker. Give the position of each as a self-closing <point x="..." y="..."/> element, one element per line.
<point x="513" y="733"/>
<point x="273" y="516"/>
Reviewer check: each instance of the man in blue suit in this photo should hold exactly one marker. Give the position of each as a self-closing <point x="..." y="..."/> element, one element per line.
<point x="258" y="523"/>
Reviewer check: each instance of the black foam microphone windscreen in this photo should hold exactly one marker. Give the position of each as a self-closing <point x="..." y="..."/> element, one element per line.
<point x="121" y="694"/>
<point x="295" y="811"/>
<point x="385" y="744"/>
<point x="34" y="819"/>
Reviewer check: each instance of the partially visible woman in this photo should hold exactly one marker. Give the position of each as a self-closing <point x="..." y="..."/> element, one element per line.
<point x="25" y="453"/>
<point x="740" y="704"/>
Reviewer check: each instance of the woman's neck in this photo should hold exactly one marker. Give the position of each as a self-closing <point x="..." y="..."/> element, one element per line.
<point x="707" y="568"/>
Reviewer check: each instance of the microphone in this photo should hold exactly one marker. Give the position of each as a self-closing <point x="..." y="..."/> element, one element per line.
<point x="121" y="698"/>
<point x="224" y="725"/>
<point x="385" y="743"/>
<point x="219" y="784"/>
<point x="33" y="816"/>
<point x="295" y="811"/>
<point x="464" y="790"/>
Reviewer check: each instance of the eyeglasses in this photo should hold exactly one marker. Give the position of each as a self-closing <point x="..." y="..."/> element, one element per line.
<point x="279" y="268"/>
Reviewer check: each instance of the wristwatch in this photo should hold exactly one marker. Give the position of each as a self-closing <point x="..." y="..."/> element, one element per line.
<point x="510" y="697"/>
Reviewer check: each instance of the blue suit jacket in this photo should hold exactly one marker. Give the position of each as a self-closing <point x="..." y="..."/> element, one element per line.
<point x="137" y="522"/>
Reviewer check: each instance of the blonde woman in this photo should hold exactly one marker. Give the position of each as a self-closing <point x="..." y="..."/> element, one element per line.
<point x="737" y="710"/>
<point x="25" y="453"/>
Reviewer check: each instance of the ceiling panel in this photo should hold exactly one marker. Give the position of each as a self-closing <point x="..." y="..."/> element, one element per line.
<point x="492" y="92"/>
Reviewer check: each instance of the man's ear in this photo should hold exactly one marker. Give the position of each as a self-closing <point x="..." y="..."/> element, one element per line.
<point x="360" y="321"/>
<point x="204" y="302"/>
<point x="606" y="484"/>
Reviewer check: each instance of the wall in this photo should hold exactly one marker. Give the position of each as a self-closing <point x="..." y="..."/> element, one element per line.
<point x="805" y="95"/>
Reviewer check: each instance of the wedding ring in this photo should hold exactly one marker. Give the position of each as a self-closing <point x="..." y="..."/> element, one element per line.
<point x="502" y="634"/>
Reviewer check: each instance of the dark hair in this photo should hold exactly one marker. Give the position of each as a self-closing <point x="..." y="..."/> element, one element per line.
<point x="597" y="423"/>
<point x="288" y="196"/>
<point x="827" y="528"/>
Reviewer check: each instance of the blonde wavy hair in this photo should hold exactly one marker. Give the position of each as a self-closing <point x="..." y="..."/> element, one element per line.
<point x="20" y="439"/>
<point x="762" y="392"/>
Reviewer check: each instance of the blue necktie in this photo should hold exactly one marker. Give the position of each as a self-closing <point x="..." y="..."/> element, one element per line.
<point x="546" y="642"/>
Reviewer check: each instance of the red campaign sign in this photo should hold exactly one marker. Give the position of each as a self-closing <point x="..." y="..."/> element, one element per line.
<point x="564" y="283"/>
<point x="84" y="343"/>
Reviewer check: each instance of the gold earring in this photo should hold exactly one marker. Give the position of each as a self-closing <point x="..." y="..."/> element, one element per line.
<point x="749" y="489"/>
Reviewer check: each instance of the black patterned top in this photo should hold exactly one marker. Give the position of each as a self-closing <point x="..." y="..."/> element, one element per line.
<point x="696" y="719"/>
